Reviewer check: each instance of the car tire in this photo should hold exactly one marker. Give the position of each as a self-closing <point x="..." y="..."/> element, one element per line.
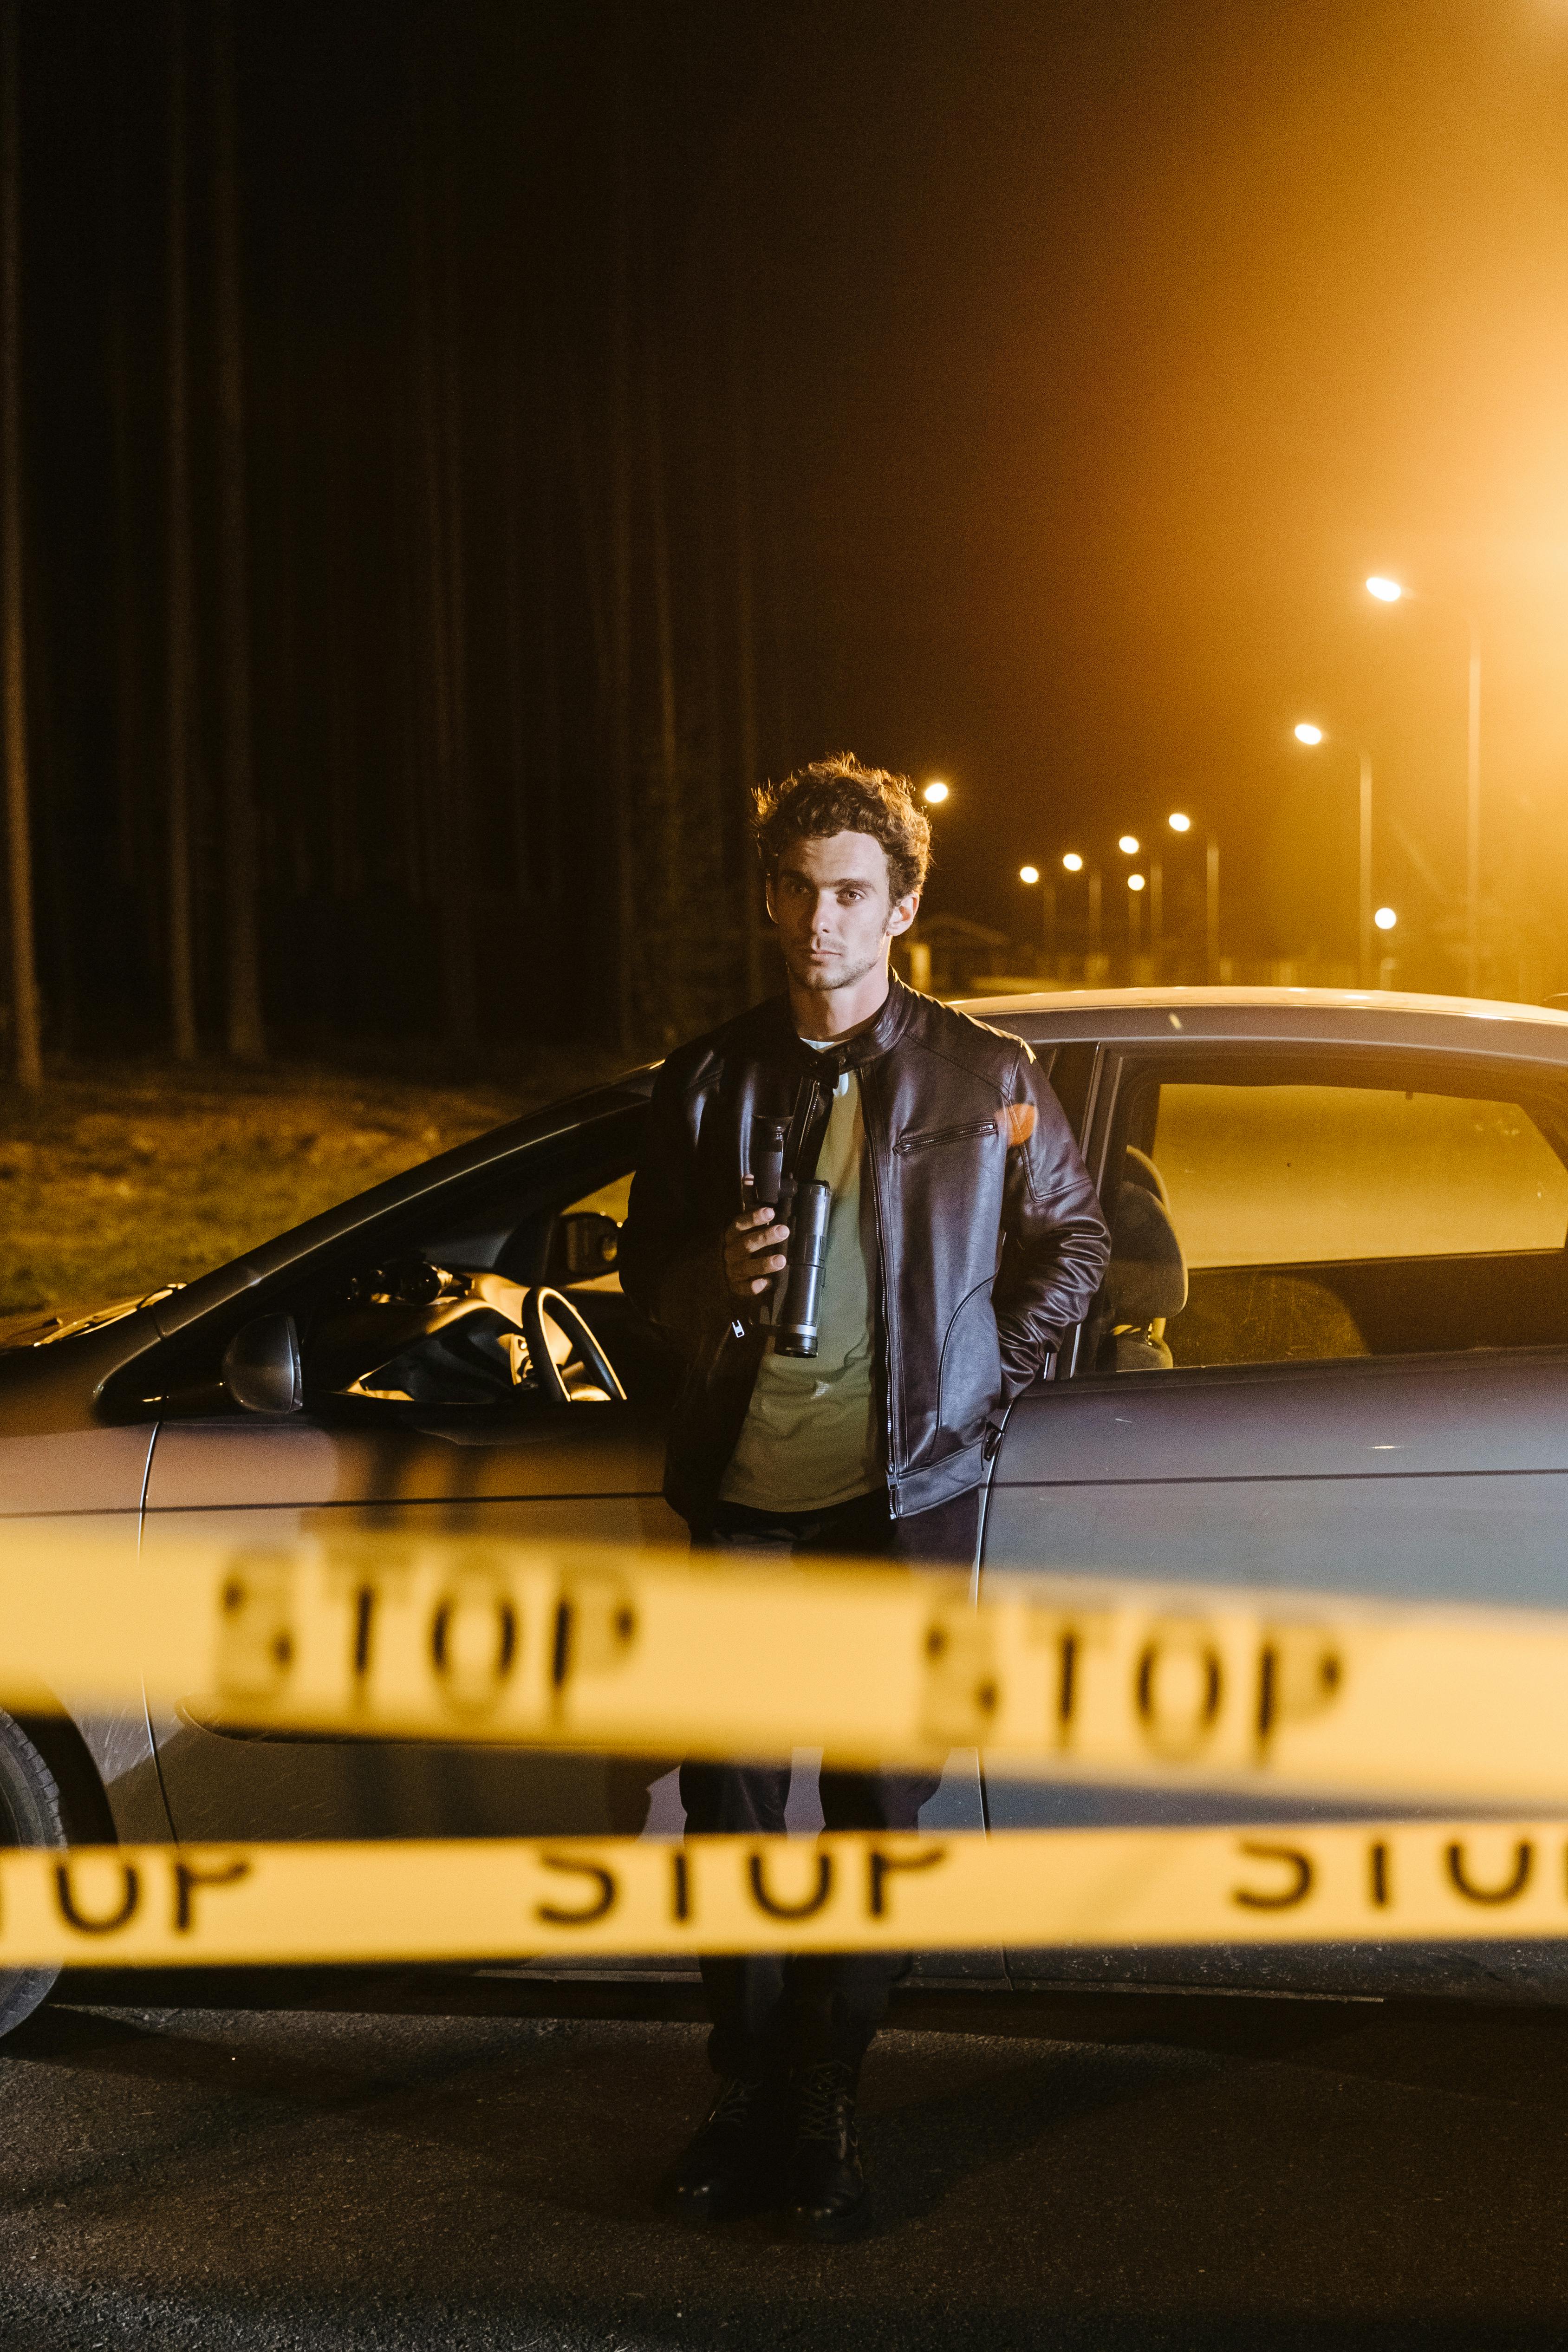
<point x="31" y="1814"/>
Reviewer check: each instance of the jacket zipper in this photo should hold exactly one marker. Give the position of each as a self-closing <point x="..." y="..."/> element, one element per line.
<point x="883" y="1285"/>
<point x="945" y="1135"/>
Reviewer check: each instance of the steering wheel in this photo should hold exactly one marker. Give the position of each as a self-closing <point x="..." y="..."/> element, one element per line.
<point x="538" y="1304"/>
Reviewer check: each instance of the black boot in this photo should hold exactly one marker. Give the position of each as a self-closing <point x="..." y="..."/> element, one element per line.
<point x="736" y="2163"/>
<point x="827" y="2184"/>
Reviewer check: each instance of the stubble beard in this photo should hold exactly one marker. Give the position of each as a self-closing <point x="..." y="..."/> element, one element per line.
<point x="819" y="982"/>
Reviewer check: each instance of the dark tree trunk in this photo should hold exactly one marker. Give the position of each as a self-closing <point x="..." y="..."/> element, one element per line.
<point x="181" y="962"/>
<point x="441" y="443"/>
<point x="247" y="1042"/>
<point x="783" y="727"/>
<point x="668" y="853"/>
<point x="513" y="626"/>
<point x="433" y="521"/>
<point x="709" y="495"/>
<point x="620" y="810"/>
<point x="246" y="1036"/>
<point x="412" y="730"/>
<point x="549" y="867"/>
<point x="292" y="855"/>
<point x="746" y="632"/>
<point x="127" y="624"/>
<point x="344" y="862"/>
<point x="458" y="861"/>
<point x="714" y="822"/>
<point x="588" y="521"/>
<point x="25" y="1014"/>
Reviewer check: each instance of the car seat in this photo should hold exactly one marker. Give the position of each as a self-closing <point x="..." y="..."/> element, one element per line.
<point x="1146" y="1281"/>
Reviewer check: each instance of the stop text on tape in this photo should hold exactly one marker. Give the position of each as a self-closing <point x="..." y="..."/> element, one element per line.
<point x="474" y="1899"/>
<point x="653" y="1654"/>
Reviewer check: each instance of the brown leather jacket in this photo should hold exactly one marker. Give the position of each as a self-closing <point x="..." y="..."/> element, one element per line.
<point x="988" y="1235"/>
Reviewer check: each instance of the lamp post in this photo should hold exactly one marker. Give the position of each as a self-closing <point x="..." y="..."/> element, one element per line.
<point x="1073" y="864"/>
<point x="1180" y="822"/>
<point x="1306" y="732"/>
<point x="1129" y="845"/>
<point x="1030" y="876"/>
<point x="1394" y="591"/>
<point x="1385" y="919"/>
<point x="1135" y="908"/>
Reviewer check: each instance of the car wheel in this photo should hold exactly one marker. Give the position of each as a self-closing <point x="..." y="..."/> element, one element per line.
<point x="30" y="1815"/>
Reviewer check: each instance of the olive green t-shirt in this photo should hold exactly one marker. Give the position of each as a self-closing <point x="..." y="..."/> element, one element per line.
<point x="810" y="1438"/>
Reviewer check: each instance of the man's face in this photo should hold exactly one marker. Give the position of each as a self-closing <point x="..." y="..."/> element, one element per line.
<point x="835" y="911"/>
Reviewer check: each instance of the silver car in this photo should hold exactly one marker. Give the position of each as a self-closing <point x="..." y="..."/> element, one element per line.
<point x="1332" y="1352"/>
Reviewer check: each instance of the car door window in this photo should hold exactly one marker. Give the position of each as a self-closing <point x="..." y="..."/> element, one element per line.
<point x="421" y="1304"/>
<point x="1279" y="1175"/>
<point x="448" y="1322"/>
<point x="1262" y="1217"/>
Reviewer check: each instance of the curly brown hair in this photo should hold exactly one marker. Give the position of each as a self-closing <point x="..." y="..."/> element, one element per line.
<point x="839" y="795"/>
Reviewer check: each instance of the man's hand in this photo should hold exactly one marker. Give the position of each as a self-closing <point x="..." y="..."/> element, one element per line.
<point x="746" y="1271"/>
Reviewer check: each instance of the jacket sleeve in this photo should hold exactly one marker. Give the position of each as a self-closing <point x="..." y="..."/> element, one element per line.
<point x="1055" y="1244"/>
<point x="672" y="1253"/>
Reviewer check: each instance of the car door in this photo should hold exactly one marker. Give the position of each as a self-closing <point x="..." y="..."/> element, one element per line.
<point x="84" y="1482"/>
<point x="442" y="1451"/>
<point x="1367" y="1386"/>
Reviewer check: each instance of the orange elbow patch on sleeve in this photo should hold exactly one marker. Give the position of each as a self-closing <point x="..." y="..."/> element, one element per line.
<point x="1017" y="1121"/>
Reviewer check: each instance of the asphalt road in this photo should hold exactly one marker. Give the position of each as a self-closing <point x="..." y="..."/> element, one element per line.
<point x="1274" y="2176"/>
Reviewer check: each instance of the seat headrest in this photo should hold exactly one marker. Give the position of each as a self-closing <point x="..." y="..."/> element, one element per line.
<point x="1139" y="1168"/>
<point x="1147" y="1274"/>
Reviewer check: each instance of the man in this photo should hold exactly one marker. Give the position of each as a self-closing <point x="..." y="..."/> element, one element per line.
<point x="964" y="1239"/>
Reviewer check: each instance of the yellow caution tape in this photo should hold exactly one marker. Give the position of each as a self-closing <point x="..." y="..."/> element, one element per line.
<point x="656" y="1655"/>
<point x="564" y="1899"/>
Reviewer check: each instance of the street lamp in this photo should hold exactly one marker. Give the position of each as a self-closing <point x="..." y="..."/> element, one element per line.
<point x="1073" y="864"/>
<point x="1306" y="732"/>
<point x="1180" y="822"/>
<point x="1385" y="919"/>
<point x="936" y="793"/>
<point x="1030" y="876"/>
<point x="1394" y="591"/>
<point x="1135" y="908"/>
<point x="1128" y="844"/>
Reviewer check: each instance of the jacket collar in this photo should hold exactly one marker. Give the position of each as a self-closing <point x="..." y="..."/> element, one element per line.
<point x="866" y="1046"/>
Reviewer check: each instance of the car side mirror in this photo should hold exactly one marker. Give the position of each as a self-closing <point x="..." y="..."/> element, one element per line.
<point x="584" y="1244"/>
<point x="261" y="1370"/>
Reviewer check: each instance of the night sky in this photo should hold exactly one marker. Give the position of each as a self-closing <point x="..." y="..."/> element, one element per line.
<point x="1053" y="374"/>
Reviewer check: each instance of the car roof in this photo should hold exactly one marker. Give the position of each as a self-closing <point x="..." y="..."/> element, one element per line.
<point x="1341" y="1016"/>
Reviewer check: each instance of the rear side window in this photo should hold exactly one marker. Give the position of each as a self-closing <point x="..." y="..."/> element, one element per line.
<point x="1287" y="1175"/>
<point x="1284" y="1217"/>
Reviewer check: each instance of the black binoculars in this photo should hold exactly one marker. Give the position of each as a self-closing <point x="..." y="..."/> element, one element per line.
<point x="791" y="1308"/>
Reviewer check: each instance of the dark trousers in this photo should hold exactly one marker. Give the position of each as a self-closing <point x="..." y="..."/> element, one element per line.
<point x="771" y="2009"/>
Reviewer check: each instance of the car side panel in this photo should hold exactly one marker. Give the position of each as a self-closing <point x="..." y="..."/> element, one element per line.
<point x="459" y="1456"/>
<point x="1420" y="1477"/>
<point x="1442" y="1478"/>
<point x="62" y="1486"/>
<point x="68" y="1471"/>
<point x="586" y="1474"/>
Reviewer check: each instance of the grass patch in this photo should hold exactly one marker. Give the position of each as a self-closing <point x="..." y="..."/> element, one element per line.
<point x="115" y="1181"/>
